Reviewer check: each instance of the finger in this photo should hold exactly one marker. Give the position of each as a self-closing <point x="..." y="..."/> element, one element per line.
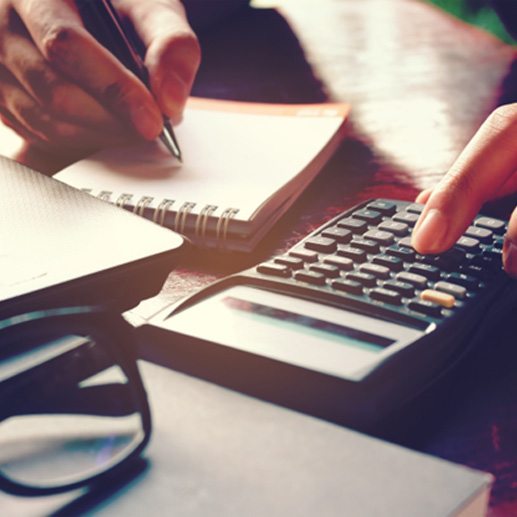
<point x="37" y="126"/>
<point x="58" y="32"/>
<point x="482" y="169"/>
<point x="22" y="108"/>
<point x="173" y="53"/>
<point x="58" y="95"/>
<point x="510" y="246"/>
<point x="11" y="122"/>
<point x="424" y="196"/>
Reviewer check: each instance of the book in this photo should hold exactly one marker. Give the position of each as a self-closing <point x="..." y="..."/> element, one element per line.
<point x="61" y="247"/>
<point x="244" y="166"/>
<point x="217" y="452"/>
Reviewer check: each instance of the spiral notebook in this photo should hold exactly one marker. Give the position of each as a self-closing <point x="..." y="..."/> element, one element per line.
<point x="244" y="166"/>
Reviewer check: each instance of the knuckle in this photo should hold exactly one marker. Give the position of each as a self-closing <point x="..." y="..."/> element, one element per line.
<point x="30" y="114"/>
<point x="40" y="82"/>
<point x="57" y="43"/>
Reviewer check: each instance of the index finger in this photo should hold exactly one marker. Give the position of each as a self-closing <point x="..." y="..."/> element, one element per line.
<point x="485" y="165"/>
<point x="57" y="30"/>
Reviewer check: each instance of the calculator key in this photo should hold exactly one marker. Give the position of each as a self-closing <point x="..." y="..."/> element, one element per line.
<point x="483" y="261"/>
<point x="394" y="263"/>
<point x="310" y="277"/>
<point x="328" y="270"/>
<point x="355" y="254"/>
<point x="367" y="245"/>
<point x="444" y="299"/>
<point x="291" y="262"/>
<point x="406" y="217"/>
<point x="305" y="255"/>
<point x="343" y="263"/>
<point x="375" y="270"/>
<point x="272" y="269"/>
<point x="467" y="281"/>
<point x="399" y="229"/>
<point x="366" y="279"/>
<point x="458" y="291"/>
<point x="323" y="244"/>
<point x="348" y="286"/>
<point x="382" y="237"/>
<point x="384" y="207"/>
<point x="385" y="295"/>
<point x="469" y="244"/>
<point x="341" y="235"/>
<point x="401" y="252"/>
<point x="490" y="224"/>
<point x="405" y="242"/>
<point x="415" y="208"/>
<point x="481" y="234"/>
<point x="418" y="281"/>
<point x="426" y="259"/>
<point x="494" y="252"/>
<point x="476" y="271"/>
<point x="425" y="307"/>
<point x="430" y="272"/>
<point x="354" y="225"/>
<point x="405" y="289"/>
<point x="370" y="216"/>
<point x="498" y="240"/>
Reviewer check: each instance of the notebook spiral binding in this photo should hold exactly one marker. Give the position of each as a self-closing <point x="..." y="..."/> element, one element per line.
<point x="159" y="213"/>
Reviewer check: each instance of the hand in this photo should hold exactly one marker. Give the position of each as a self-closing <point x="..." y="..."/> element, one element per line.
<point x="486" y="169"/>
<point x="63" y="91"/>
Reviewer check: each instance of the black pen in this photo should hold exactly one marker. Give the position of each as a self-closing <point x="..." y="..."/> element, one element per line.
<point x="103" y="22"/>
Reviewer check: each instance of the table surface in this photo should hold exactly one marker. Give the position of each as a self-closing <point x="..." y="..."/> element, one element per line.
<point x="420" y="82"/>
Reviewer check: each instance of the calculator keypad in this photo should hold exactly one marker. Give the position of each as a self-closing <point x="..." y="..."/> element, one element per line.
<point x="367" y="255"/>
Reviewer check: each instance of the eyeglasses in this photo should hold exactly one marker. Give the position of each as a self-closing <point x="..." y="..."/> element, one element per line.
<point x="73" y="409"/>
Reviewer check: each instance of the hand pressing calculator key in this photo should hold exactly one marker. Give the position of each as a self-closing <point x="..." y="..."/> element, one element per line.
<point x="351" y="324"/>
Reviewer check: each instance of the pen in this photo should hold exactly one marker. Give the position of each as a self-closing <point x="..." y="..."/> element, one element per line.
<point x="103" y="22"/>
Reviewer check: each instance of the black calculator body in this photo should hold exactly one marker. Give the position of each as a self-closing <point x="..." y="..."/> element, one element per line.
<point x="351" y="324"/>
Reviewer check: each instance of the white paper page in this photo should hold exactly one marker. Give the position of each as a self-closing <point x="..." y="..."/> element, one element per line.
<point x="231" y="159"/>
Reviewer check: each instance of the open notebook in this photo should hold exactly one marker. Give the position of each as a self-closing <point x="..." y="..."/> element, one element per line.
<point x="244" y="165"/>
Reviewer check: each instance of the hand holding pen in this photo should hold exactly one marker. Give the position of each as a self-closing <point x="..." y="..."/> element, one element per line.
<point x="64" y="91"/>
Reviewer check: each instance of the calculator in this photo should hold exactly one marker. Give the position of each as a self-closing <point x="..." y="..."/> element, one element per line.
<point x="351" y="324"/>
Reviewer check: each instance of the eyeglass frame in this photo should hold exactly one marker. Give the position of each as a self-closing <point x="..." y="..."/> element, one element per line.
<point x="83" y="320"/>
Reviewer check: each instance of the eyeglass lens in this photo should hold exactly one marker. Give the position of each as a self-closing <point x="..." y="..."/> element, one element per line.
<point x="67" y="412"/>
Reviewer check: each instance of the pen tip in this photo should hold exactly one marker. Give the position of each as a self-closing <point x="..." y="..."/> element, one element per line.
<point x="167" y="137"/>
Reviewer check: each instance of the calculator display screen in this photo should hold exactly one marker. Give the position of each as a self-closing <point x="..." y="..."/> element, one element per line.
<point x="318" y="327"/>
<point x="292" y="330"/>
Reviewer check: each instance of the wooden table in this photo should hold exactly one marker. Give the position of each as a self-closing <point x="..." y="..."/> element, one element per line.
<point x="420" y="83"/>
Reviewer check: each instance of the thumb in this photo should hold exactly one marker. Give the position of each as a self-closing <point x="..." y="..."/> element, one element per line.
<point x="173" y="53"/>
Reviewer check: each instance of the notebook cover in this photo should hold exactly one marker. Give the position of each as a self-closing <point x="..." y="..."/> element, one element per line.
<point x="60" y="246"/>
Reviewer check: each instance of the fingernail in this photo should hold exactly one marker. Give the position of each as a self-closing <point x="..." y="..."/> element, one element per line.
<point x="430" y="232"/>
<point x="147" y="121"/>
<point x="510" y="257"/>
<point x="175" y="92"/>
